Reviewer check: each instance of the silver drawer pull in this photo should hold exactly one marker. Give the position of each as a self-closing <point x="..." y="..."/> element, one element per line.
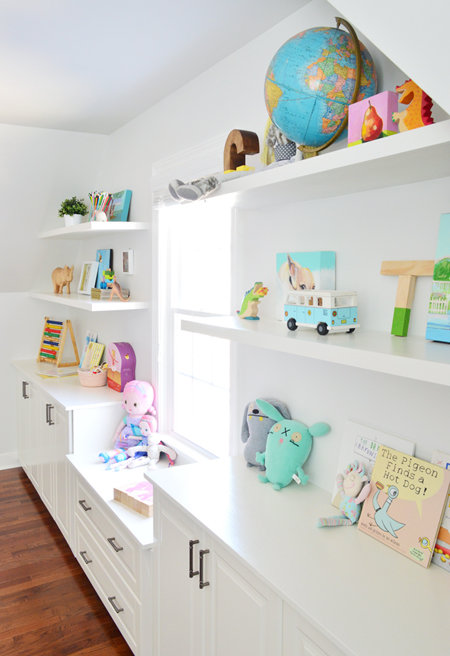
<point x="116" y="608"/>
<point x="191" y="558"/>
<point x="83" y="504"/>
<point x="86" y="560"/>
<point x="49" y="408"/>
<point x="24" y="390"/>
<point x="114" y="545"/>
<point x="202" y="584"/>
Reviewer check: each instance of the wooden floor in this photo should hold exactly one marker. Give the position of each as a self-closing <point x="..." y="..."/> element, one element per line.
<point x="47" y="605"/>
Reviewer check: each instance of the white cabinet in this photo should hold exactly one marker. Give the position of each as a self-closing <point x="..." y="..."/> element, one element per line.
<point x="114" y="547"/>
<point x="278" y="585"/>
<point x="55" y="418"/>
<point x="301" y="639"/>
<point x="26" y="411"/>
<point x="218" y="606"/>
<point x="179" y="601"/>
<point x="44" y="441"/>
<point x="243" y="615"/>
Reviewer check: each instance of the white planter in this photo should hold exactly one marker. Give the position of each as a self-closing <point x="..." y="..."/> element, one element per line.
<point x="72" y="220"/>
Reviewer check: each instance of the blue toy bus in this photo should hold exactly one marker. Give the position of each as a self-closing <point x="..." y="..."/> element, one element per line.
<point x="327" y="311"/>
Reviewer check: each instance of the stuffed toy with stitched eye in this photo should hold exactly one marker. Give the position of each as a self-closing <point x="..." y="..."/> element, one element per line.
<point x="289" y="444"/>
<point x="255" y="427"/>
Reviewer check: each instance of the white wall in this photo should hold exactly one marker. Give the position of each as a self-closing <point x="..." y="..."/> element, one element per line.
<point x="38" y="169"/>
<point x="399" y="223"/>
<point x="363" y="230"/>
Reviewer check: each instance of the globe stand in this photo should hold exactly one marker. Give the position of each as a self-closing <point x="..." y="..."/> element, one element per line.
<point x="312" y="151"/>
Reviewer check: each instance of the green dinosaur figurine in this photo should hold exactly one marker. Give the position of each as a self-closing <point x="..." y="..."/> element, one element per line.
<point x="252" y="298"/>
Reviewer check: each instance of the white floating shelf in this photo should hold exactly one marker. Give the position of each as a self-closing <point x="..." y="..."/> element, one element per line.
<point x="85" y="302"/>
<point x="411" y="357"/>
<point x="409" y="157"/>
<point x="93" y="229"/>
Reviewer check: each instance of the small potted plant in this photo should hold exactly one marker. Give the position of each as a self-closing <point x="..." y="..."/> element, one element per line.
<point x="73" y="210"/>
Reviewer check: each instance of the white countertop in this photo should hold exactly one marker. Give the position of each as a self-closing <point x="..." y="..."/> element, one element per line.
<point x="344" y="582"/>
<point x="67" y="391"/>
<point x="95" y="474"/>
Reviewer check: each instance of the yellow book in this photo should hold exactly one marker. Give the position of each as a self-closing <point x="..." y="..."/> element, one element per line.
<point x="406" y="503"/>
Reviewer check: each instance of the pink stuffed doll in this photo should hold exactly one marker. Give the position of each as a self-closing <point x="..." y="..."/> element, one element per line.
<point x="353" y="490"/>
<point x="138" y="398"/>
<point x="150" y="449"/>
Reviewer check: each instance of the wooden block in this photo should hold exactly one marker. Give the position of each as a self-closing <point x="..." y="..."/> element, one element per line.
<point x="239" y="143"/>
<point x="405" y="291"/>
<point x="400" y="322"/>
<point x="408" y="268"/>
<point x="138" y="497"/>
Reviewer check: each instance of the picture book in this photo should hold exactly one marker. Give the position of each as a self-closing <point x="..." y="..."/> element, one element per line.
<point x="92" y="356"/>
<point x="441" y="555"/>
<point x="91" y="336"/>
<point x="362" y="443"/>
<point x="138" y="497"/>
<point x="406" y="503"/>
<point x="120" y="205"/>
<point x="105" y="261"/>
<point x="438" y="326"/>
<point x="297" y="271"/>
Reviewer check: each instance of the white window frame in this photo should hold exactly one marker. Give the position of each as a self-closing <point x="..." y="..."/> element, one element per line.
<point x="187" y="166"/>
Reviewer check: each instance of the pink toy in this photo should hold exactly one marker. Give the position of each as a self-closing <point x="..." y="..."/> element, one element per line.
<point x="371" y="118"/>
<point x="148" y="453"/>
<point x="121" y="365"/>
<point x="353" y="490"/>
<point x="138" y="398"/>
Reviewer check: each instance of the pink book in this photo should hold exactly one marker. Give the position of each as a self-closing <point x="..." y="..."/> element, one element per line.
<point x="138" y="497"/>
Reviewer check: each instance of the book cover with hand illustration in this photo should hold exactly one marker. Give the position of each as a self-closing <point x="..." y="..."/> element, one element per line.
<point x="405" y="504"/>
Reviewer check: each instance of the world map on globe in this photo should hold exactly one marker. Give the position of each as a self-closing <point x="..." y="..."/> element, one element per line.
<point x="310" y="82"/>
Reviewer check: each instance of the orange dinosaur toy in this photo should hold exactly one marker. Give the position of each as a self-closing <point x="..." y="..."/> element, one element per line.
<point x="418" y="113"/>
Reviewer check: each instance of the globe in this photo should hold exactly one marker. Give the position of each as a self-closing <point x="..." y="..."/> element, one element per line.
<point x="310" y="82"/>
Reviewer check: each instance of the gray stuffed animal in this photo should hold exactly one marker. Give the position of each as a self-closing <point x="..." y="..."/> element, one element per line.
<point x="255" y="428"/>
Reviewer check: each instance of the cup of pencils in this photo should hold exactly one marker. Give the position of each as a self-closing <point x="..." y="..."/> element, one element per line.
<point x="101" y="205"/>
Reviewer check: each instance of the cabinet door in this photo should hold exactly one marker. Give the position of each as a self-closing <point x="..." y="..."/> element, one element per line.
<point x="62" y="446"/>
<point x="300" y="638"/>
<point x="35" y="440"/>
<point x="178" y="596"/>
<point x="26" y="411"/>
<point x="243" y="615"/>
<point x="46" y="419"/>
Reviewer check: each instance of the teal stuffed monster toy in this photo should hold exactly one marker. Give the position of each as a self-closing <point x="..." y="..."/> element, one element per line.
<point x="289" y="444"/>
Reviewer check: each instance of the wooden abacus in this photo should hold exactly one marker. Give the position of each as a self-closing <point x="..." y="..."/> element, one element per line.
<point x="53" y="340"/>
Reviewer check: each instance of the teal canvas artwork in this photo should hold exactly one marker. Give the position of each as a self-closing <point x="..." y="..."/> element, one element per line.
<point x="120" y="205"/>
<point x="298" y="271"/>
<point x="438" y="324"/>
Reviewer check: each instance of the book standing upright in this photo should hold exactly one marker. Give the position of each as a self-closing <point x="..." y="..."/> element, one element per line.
<point x="405" y="505"/>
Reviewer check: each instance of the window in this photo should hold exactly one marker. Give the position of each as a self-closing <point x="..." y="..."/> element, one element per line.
<point x="195" y="272"/>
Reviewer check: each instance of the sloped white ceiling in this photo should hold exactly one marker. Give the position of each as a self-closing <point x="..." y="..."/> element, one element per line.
<point x="94" y="65"/>
<point x="414" y="34"/>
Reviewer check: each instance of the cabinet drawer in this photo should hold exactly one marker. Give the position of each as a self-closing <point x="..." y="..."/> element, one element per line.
<point x="122" y="605"/>
<point x="115" y="543"/>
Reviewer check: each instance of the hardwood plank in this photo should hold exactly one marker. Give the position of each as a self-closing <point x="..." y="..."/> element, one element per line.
<point x="47" y="605"/>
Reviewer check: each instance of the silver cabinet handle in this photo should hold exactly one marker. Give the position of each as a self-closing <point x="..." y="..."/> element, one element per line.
<point x="24" y="390"/>
<point x="83" y="555"/>
<point x="116" y="608"/>
<point x="191" y="558"/>
<point x="83" y="504"/>
<point x="202" y="584"/>
<point x="114" y="545"/>
<point x="49" y="408"/>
